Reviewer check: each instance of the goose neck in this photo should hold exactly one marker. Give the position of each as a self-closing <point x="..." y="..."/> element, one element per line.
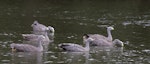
<point x="40" y="45"/>
<point x="87" y="45"/>
<point x="109" y="34"/>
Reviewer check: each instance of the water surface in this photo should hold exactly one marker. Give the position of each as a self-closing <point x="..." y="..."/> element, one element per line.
<point x="71" y="19"/>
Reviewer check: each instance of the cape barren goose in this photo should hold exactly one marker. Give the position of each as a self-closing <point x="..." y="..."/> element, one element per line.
<point x="100" y="40"/>
<point x="41" y="29"/>
<point x="27" y="47"/>
<point x="75" y="47"/>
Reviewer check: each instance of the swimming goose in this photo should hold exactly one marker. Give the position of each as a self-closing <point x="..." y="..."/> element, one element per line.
<point x="27" y="47"/>
<point x="100" y="40"/>
<point x="41" y="29"/>
<point x="50" y="32"/>
<point x="33" y="37"/>
<point x="75" y="47"/>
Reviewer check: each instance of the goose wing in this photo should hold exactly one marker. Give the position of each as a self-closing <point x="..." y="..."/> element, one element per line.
<point x="30" y="36"/>
<point x="23" y="47"/>
<point x="42" y="27"/>
<point x="72" y="47"/>
<point x="97" y="36"/>
<point x="99" y="40"/>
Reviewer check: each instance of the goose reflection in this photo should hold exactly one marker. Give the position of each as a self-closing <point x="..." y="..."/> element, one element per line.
<point x="27" y="58"/>
<point x="106" y="54"/>
<point x="75" y="57"/>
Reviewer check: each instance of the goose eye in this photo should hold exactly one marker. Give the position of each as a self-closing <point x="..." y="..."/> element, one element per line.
<point x="35" y="24"/>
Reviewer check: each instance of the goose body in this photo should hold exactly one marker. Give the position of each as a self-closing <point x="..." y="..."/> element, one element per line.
<point x="72" y="47"/>
<point x="24" y="48"/>
<point x="75" y="47"/>
<point x="33" y="37"/>
<point x="27" y="47"/>
<point x="100" y="40"/>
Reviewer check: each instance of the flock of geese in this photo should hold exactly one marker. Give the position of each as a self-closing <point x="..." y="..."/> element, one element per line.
<point x="42" y="34"/>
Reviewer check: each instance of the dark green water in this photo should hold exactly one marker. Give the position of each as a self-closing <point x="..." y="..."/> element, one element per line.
<point x="71" y="19"/>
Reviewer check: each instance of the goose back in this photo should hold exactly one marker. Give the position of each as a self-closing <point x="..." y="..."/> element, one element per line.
<point x="72" y="47"/>
<point x="99" y="40"/>
<point x="24" y="48"/>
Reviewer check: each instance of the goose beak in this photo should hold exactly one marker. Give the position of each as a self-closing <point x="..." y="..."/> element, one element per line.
<point x="84" y="37"/>
<point x="32" y="25"/>
<point x="13" y="50"/>
<point x="113" y="29"/>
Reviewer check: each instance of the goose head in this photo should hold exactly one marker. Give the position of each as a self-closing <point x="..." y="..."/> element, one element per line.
<point x="110" y="28"/>
<point x="51" y="29"/>
<point x="86" y="38"/>
<point x="35" y="23"/>
<point x="118" y="43"/>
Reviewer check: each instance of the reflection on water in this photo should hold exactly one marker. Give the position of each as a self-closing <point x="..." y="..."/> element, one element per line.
<point x="76" y="57"/>
<point x="27" y="58"/>
<point x="107" y="54"/>
<point x="71" y="19"/>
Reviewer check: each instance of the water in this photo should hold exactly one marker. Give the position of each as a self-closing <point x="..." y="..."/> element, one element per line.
<point x="71" y="19"/>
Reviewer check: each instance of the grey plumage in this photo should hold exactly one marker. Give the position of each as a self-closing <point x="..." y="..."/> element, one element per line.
<point x="38" y="27"/>
<point x="27" y="47"/>
<point x="118" y="43"/>
<point x="72" y="47"/>
<point x="75" y="47"/>
<point x="24" y="48"/>
<point x="30" y="37"/>
<point x="100" y="40"/>
<point x="33" y="37"/>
